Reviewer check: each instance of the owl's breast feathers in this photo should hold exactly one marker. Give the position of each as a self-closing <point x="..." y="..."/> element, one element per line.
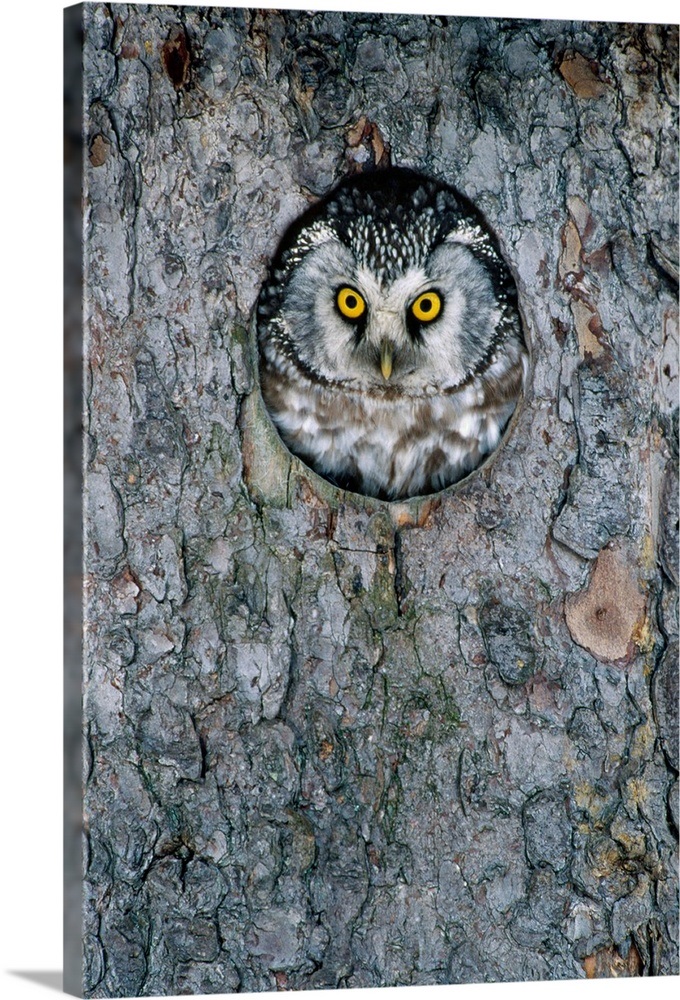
<point x="389" y="444"/>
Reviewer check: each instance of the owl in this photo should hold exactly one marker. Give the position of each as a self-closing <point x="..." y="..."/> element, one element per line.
<point x="391" y="352"/>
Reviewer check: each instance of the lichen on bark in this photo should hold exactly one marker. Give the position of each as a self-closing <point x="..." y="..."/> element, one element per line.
<point x="330" y="741"/>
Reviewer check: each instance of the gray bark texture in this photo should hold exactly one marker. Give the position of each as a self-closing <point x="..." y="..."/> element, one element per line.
<point x="332" y="741"/>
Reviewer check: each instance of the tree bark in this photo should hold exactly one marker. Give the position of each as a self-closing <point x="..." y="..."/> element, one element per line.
<point x="332" y="741"/>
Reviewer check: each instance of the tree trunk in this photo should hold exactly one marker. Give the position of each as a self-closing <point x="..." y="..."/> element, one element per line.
<point x="332" y="741"/>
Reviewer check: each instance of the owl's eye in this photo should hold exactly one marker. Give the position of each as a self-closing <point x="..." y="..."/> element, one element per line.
<point x="426" y="307"/>
<point x="351" y="304"/>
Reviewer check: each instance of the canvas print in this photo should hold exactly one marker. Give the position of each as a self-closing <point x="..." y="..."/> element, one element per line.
<point x="378" y="324"/>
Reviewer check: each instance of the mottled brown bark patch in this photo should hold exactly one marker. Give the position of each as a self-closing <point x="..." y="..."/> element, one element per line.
<point x="582" y="75"/>
<point x="605" y="617"/>
<point x="608" y="962"/>
<point x="366" y="147"/>
<point x="175" y="56"/>
<point x="99" y="151"/>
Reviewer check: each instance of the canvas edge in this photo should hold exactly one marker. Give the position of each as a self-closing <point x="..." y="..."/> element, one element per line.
<point x="73" y="944"/>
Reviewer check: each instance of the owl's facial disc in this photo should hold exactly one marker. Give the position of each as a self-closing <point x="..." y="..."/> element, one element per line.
<point x="428" y="327"/>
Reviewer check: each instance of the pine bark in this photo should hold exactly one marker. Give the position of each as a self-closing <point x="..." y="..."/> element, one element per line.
<point x="331" y="741"/>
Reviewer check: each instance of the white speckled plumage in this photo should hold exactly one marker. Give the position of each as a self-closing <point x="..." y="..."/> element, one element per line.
<point x="452" y="382"/>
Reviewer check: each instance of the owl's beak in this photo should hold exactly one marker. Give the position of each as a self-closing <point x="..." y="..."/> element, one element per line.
<point x="386" y="359"/>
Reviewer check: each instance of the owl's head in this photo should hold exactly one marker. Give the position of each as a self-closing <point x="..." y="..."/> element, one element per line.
<point x="391" y="283"/>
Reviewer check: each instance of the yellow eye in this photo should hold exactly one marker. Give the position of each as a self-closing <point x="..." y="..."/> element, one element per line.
<point x="427" y="307"/>
<point x="350" y="303"/>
